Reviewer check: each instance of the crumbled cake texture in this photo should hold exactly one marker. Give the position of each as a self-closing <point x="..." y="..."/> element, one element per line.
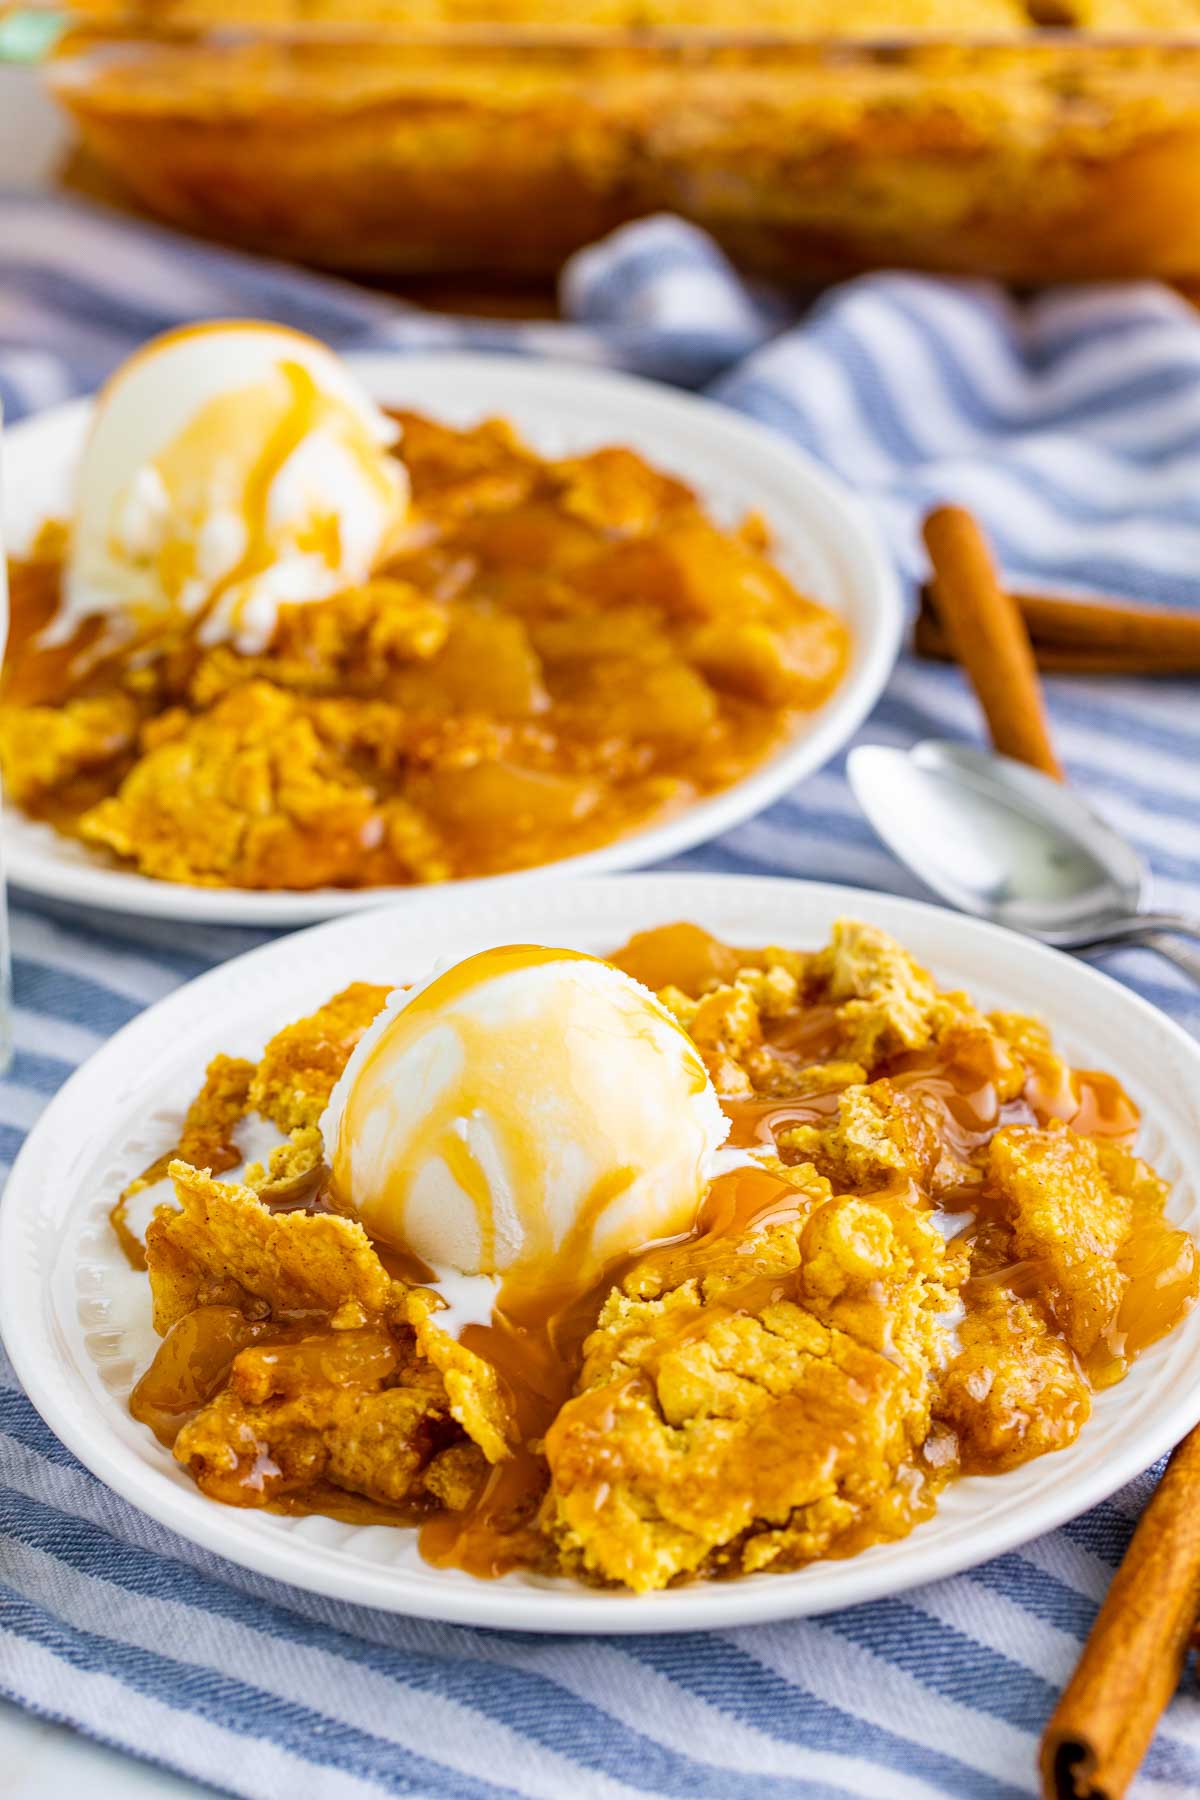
<point x="748" y="1402"/>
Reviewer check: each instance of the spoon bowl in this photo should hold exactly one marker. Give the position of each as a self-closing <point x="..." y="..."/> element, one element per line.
<point x="1007" y="843"/>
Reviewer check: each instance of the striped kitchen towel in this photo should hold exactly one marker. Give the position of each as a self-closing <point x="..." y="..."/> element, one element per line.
<point x="1072" y="426"/>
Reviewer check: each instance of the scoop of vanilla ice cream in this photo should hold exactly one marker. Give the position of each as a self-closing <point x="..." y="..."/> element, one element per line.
<point x="230" y="468"/>
<point x="527" y="1115"/>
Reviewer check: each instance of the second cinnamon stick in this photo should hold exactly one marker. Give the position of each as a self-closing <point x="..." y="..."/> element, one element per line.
<point x="989" y="638"/>
<point x="1103" y="635"/>
<point x="1069" y="655"/>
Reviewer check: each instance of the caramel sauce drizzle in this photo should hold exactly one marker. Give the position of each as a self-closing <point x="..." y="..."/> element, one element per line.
<point x="541" y="1261"/>
<point x="37" y="673"/>
<point x="437" y="1137"/>
<point x="132" y="1247"/>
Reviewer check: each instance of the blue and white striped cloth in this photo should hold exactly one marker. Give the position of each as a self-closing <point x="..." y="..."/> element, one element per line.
<point x="1072" y="426"/>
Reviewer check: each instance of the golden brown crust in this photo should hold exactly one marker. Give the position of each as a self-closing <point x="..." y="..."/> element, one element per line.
<point x="223" y="1237"/>
<point x="207" y="1138"/>
<point x="472" y="1386"/>
<point x="301" y="1064"/>
<point x="1013" y="1390"/>
<point x="761" y="1416"/>
<point x="314" y="1410"/>
<point x="246" y="795"/>
<point x="44" y="747"/>
<point x="328" y="1408"/>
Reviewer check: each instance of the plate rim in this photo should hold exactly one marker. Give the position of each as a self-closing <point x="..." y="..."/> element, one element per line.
<point x="720" y="1605"/>
<point x="93" y="885"/>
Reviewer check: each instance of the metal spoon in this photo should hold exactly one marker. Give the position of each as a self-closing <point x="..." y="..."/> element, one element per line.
<point x="1007" y="843"/>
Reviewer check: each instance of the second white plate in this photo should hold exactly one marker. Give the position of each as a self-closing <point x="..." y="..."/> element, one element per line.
<point x="824" y="540"/>
<point x="76" y="1320"/>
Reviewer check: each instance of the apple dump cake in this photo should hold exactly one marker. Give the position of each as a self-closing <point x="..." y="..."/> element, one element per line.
<point x="701" y="1262"/>
<point x="290" y="641"/>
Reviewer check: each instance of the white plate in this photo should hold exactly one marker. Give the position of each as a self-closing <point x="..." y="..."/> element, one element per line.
<point x="76" y="1320"/>
<point x="824" y="540"/>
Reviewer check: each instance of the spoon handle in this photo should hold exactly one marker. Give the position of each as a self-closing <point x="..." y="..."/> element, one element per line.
<point x="1182" y="924"/>
<point x="1154" y="931"/>
<point x="1134" y="928"/>
<point x="1182" y="955"/>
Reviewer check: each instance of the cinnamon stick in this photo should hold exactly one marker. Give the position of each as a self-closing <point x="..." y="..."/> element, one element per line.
<point x="989" y="638"/>
<point x="1135" y="1654"/>
<point x="1105" y="635"/>
<point x="1065" y="656"/>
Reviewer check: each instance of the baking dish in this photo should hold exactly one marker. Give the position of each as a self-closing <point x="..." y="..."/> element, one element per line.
<point x="410" y="140"/>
